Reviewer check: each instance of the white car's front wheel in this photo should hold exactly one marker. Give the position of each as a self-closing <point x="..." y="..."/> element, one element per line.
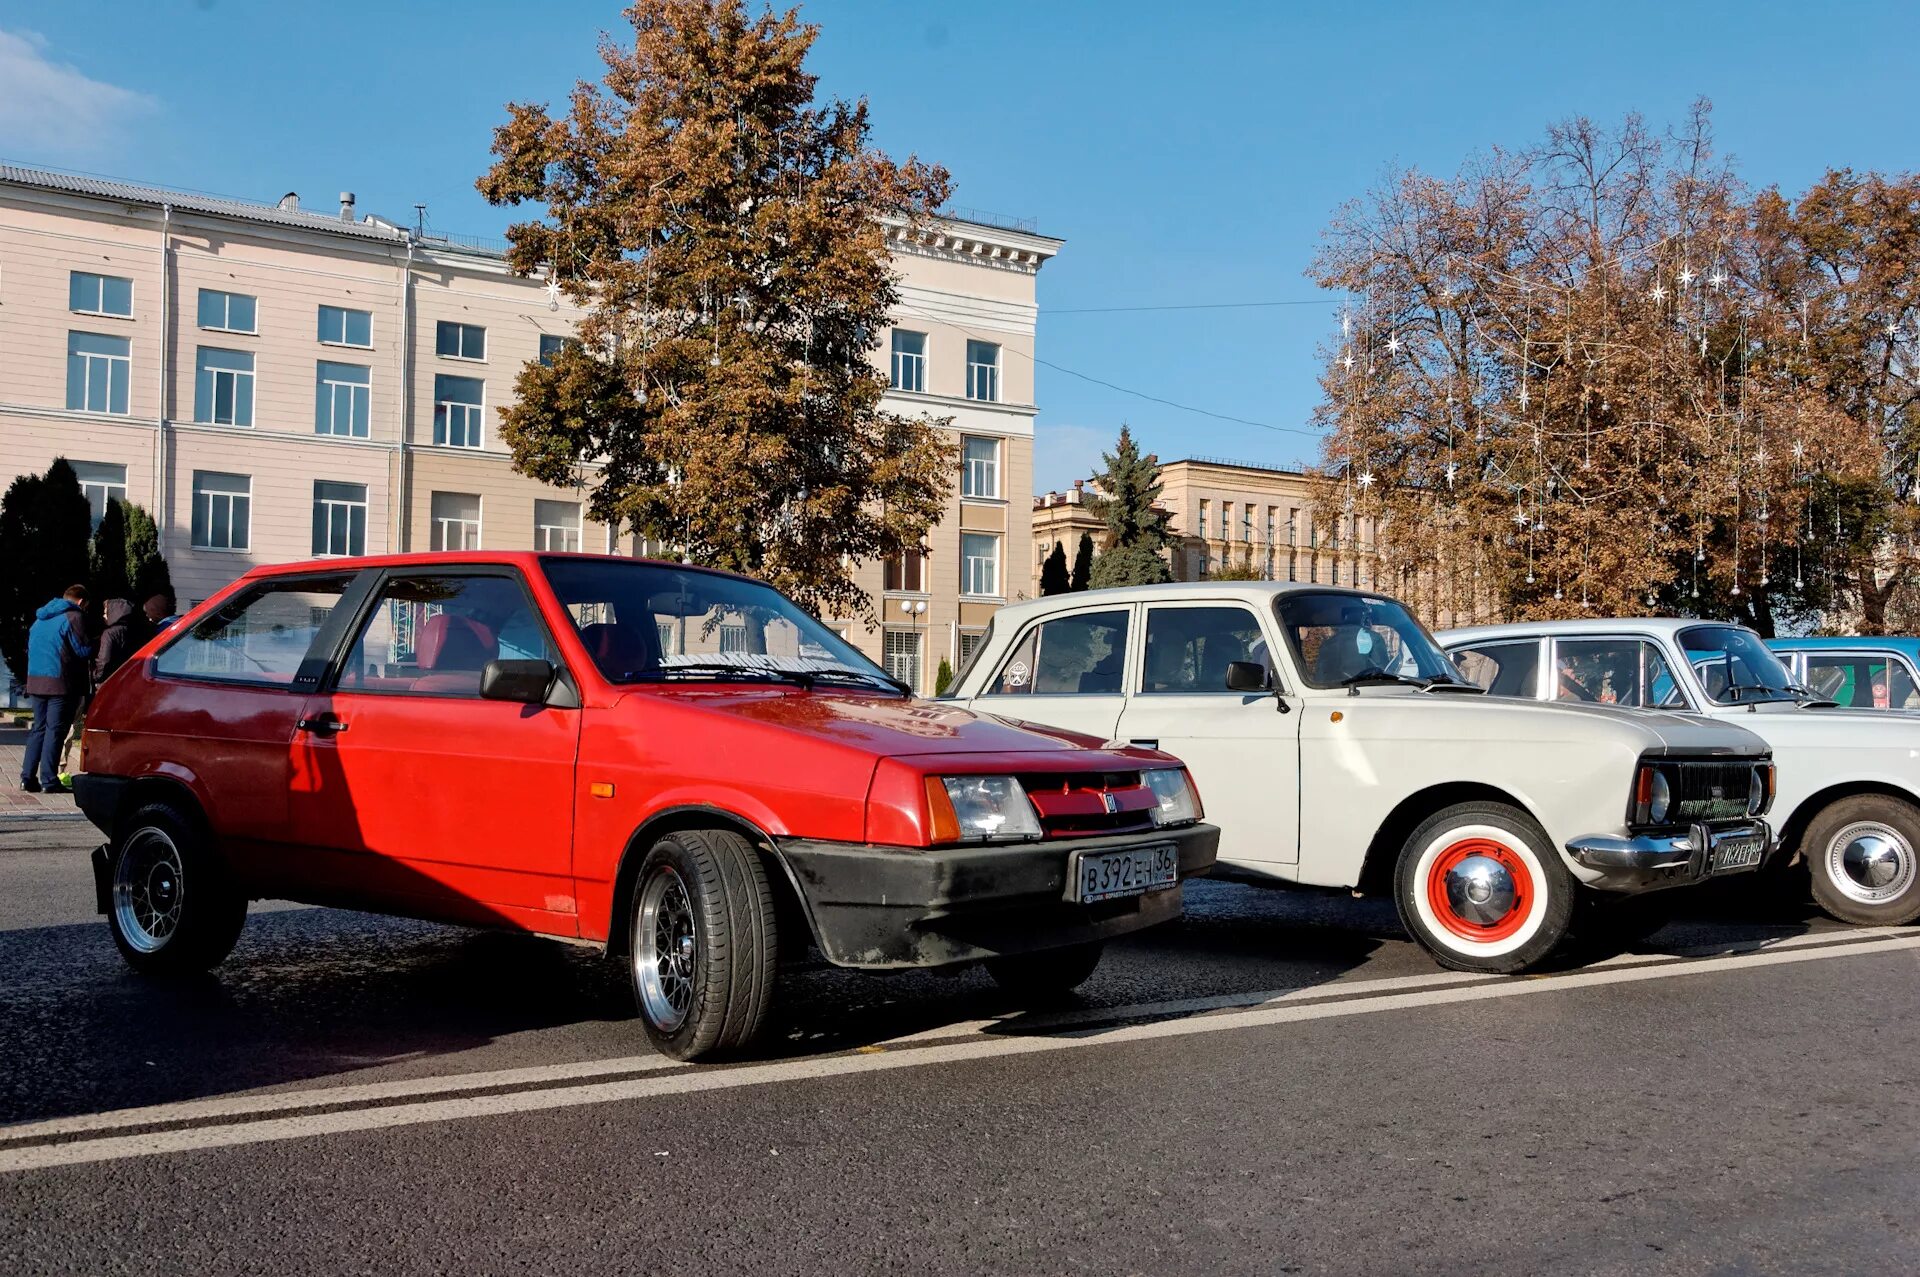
<point x="1861" y="853"/>
<point x="1480" y="887"/>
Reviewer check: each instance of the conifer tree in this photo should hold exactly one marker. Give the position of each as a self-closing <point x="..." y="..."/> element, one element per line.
<point x="1053" y="574"/>
<point x="1082" y="563"/>
<point x="45" y="525"/>
<point x="107" y="576"/>
<point x="1126" y="492"/>
<point x="147" y="572"/>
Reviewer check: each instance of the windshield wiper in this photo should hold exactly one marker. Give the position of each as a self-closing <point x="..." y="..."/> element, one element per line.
<point x="885" y="680"/>
<point x="725" y="669"/>
<point x="1455" y="685"/>
<point x="1353" y="682"/>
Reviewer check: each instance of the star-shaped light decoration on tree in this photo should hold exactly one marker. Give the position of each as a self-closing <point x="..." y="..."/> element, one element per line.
<point x="1519" y="517"/>
<point x="553" y="292"/>
<point x="1452" y="470"/>
<point x="1718" y="279"/>
<point x="1799" y="451"/>
<point x="1657" y="294"/>
<point x="1761" y="458"/>
<point x="1346" y="361"/>
<point x="1686" y="276"/>
<point x="1365" y="480"/>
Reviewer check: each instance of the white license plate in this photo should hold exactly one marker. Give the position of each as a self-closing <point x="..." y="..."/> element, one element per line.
<point x="1107" y="875"/>
<point x="1736" y="854"/>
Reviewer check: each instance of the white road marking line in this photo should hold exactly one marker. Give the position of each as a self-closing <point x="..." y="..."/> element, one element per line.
<point x="121" y="1147"/>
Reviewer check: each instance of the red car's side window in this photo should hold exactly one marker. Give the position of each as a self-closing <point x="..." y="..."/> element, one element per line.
<point x="434" y="634"/>
<point x="260" y="636"/>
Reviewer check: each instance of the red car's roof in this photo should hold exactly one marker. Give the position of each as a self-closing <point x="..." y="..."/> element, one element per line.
<point x="523" y="559"/>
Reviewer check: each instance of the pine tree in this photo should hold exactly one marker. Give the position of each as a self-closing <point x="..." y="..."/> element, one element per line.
<point x="147" y="571"/>
<point x="943" y="677"/>
<point x="1082" y="563"/>
<point x="107" y="576"/>
<point x="727" y="235"/>
<point x="1126" y="491"/>
<point x="45" y="525"/>
<point x="1053" y="574"/>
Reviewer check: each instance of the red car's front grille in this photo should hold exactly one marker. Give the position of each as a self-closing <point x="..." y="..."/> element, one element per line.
<point x="1076" y="804"/>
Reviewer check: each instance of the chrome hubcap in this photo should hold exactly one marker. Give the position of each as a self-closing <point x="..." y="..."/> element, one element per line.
<point x="1480" y="890"/>
<point x="1870" y="862"/>
<point x="663" y="950"/>
<point x="147" y="890"/>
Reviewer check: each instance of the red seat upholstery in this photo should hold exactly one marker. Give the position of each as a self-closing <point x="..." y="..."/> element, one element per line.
<point x="451" y="652"/>
<point x="617" y="649"/>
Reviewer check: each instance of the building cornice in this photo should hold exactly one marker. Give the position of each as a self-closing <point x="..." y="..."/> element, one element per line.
<point x="948" y="239"/>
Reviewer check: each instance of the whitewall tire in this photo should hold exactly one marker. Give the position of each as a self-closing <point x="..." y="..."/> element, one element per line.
<point x="1480" y="888"/>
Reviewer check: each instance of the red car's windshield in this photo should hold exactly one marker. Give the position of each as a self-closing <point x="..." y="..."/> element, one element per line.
<point x="646" y="622"/>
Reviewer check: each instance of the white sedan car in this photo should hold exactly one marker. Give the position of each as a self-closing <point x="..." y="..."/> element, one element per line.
<point x="1849" y="778"/>
<point x="1335" y="746"/>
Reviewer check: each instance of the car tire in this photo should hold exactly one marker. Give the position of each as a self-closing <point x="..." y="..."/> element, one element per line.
<point x="1861" y="855"/>
<point x="703" y="943"/>
<point x="172" y="905"/>
<point x="1048" y="974"/>
<point x="1529" y="906"/>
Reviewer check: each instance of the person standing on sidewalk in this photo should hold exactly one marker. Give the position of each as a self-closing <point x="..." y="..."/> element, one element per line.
<point x="57" y="655"/>
<point x="159" y="612"/>
<point x="123" y="634"/>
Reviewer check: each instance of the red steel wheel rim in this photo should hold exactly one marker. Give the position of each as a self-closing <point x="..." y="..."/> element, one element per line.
<point x="1466" y="928"/>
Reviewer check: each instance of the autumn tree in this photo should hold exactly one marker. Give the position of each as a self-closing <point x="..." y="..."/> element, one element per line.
<point x="1562" y="386"/>
<point x="1124" y="497"/>
<point x="727" y="237"/>
<point x="1053" y="573"/>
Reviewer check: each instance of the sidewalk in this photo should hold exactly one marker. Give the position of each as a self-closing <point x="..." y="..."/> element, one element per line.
<point x="15" y="801"/>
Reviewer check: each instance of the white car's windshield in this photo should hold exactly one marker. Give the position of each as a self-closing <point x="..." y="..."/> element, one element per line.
<point x="1735" y="667"/>
<point x="654" y="622"/>
<point x="1344" y="640"/>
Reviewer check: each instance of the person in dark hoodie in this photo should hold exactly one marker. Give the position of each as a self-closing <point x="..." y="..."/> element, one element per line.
<point x="124" y="632"/>
<point x="57" y="680"/>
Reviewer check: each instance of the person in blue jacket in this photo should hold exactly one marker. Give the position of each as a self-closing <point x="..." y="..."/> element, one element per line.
<point x="57" y="673"/>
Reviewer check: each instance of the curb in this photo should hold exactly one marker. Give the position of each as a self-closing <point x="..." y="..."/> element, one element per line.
<point x="38" y="817"/>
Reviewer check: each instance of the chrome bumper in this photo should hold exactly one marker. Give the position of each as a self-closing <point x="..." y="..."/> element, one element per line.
<point x="1649" y="861"/>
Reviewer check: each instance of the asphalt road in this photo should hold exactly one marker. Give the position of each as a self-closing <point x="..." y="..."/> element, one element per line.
<point x="1278" y="1083"/>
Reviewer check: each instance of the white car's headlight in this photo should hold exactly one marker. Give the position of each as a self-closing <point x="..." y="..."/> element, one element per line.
<point x="1178" y="805"/>
<point x="989" y="807"/>
<point x="1661" y="800"/>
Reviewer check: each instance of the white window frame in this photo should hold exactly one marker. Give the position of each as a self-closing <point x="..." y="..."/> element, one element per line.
<point x="473" y="419"/>
<point x="100" y="296"/>
<point x="108" y="491"/>
<point x="213" y="390"/>
<point x="335" y="507"/>
<point x="571" y="536"/>
<point x="86" y="378"/>
<point x="344" y="311"/>
<point x="464" y="328"/>
<point x="973" y="470"/>
<point x="227" y="307"/>
<point x="214" y="497"/>
<point x="915" y="362"/>
<point x="916" y="658"/>
<point x="971" y="572"/>
<point x="983" y="376"/>
<point x="469" y="528"/>
<point x="359" y="396"/>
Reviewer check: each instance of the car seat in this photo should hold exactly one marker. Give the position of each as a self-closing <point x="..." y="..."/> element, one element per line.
<point x="619" y="650"/>
<point x="1340" y="657"/>
<point x="451" y="652"/>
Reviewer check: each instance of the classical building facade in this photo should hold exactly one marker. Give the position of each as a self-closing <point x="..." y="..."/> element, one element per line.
<point x="1227" y="514"/>
<point x="275" y="383"/>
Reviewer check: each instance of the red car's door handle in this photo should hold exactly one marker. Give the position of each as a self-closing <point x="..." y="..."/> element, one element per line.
<point x="325" y="724"/>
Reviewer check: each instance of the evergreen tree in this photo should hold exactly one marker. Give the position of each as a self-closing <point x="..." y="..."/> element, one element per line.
<point x="943" y="677"/>
<point x="147" y="572"/>
<point x="1082" y="563"/>
<point x="107" y="576"/>
<point x="1053" y="575"/>
<point x="727" y="234"/>
<point x="45" y="525"/>
<point x="1124" y="500"/>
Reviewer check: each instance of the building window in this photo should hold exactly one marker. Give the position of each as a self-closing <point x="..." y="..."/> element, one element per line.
<point x="1293" y="527"/>
<point x="460" y="341"/>
<point x="222" y="510"/>
<point x="342" y="399"/>
<point x="1246" y="522"/>
<point x="458" y="409"/>
<point x="1273" y="521"/>
<point x="979" y="564"/>
<point x="900" y="649"/>
<point x="979" y="467"/>
<point x="223" y="387"/>
<point x="339" y="518"/>
<point x="969" y="645"/>
<point x="556" y="525"/>
<point x="456" y="520"/>
<point x="98" y="370"/>
<point x="100" y="294"/>
<point x="100" y="482"/>
<point x="342" y="327"/>
<point x="983" y="371"/>
<point x="1226" y="518"/>
<point x="227" y="312"/>
<point x="552" y="344"/>
<point x="909" y="360"/>
<point x="1203" y="518"/>
<point x="906" y="573"/>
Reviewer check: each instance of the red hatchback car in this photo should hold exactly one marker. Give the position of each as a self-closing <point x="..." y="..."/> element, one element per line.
<point x="677" y="763"/>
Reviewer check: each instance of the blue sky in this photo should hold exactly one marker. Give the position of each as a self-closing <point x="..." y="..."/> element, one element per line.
<point x="1188" y="155"/>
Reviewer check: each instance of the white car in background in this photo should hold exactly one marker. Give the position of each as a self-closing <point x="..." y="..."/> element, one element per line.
<point x="1335" y="746"/>
<point x="1849" y="799"/>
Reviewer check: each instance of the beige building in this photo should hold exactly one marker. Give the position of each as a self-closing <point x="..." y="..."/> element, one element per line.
<point x="1228" y="513"/>
<point x="275" y="383"/>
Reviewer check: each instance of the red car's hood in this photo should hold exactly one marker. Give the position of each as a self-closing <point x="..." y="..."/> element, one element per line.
<point x="880" y="725"/>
